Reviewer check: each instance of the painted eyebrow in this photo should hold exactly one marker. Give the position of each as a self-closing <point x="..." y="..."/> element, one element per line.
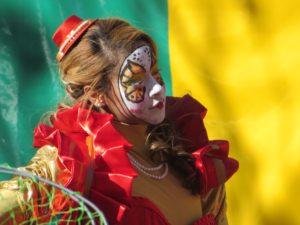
<point x="155" y="65"/>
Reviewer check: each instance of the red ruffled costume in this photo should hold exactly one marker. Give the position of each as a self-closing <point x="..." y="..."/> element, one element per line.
<point x="112" y="173"/>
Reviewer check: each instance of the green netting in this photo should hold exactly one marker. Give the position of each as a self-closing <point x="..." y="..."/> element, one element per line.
<point x="39" y="202"/>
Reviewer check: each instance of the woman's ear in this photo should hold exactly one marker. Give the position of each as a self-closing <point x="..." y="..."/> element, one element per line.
<point x="96" y="98"/>
<point x="99" y="101"/>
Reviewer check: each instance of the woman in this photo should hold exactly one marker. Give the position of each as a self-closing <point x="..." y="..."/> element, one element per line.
<point x="141" y="157"/>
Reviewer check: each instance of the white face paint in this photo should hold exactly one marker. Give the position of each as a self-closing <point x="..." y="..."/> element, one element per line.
<point x="141" y="86"/>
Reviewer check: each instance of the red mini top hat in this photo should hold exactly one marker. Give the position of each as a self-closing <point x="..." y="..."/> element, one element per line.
<point x="68" y="33"/>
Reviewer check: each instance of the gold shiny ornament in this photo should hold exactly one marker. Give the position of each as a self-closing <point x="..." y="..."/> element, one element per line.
<point x="19" y="193"/>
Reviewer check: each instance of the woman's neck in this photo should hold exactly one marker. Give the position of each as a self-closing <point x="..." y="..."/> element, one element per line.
<point x="134" y="133"/>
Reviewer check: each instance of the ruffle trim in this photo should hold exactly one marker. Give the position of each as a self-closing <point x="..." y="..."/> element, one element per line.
<point x="113" y="173"/>
<point x="214" y="165"/>
<point x="187" y="115"/>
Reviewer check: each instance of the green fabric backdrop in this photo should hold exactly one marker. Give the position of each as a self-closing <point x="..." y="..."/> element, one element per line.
<point x="29" y="81"/>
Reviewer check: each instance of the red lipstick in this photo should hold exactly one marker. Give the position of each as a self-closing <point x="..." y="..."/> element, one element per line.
<point x="160" y="105"/>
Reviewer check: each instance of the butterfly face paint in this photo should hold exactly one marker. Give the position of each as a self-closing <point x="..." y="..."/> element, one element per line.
<point x="141" y="86"/>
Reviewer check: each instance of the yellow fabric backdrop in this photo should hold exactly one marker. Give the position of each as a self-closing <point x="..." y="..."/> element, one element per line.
<point x="241" y="60"/>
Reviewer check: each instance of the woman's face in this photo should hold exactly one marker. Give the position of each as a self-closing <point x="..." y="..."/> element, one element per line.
<point x="140" y="89"/>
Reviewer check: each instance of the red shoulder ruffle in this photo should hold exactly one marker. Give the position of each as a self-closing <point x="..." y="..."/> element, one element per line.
<point x="113" y="173"/>
<point x="211" y="157"/>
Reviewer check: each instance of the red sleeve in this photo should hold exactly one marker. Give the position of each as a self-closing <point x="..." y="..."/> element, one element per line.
<point x="211" y="157"/>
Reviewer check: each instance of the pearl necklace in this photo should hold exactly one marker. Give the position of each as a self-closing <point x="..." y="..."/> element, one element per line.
<point x="146" y="170"/>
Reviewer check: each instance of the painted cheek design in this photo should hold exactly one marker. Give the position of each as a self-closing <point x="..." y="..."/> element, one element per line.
<point x="138" y="108"/>
<point x="136" y="111"/>
<point x="132" y="77"/>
